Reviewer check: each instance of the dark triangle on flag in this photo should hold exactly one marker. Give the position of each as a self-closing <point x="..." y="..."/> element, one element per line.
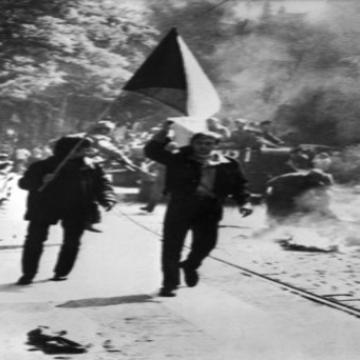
<point x="162" y="75"/>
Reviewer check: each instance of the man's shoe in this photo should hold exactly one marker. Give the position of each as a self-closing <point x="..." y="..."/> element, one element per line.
<point x="58" y="278"/>
<point x="24" y="280"/>
<point x="147" y="209"/>
<point x="92" y="228"/>
<point x="167" y="292"/>
<point x="191" y="275"/>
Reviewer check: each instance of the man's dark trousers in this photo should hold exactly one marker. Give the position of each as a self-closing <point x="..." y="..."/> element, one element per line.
<point x="196" y="213"/>
<point x="36" y="236"/>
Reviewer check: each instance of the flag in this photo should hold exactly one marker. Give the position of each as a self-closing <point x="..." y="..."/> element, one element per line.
<point x="172" y="75"/>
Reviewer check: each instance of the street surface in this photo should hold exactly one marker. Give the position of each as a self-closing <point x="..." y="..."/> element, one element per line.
<point x="109" y="303"/>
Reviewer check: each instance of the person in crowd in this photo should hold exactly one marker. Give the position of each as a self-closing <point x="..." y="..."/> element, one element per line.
<point x="21" y="157"/>
<point x="46" y="151"/>
<point x="244" y="141"/>
<point x="104" y="147"/>
<point x="5" y="163"/>
<point x="6" y="176"/>
<point x="104" y="150"/>
<point x="302" y="191"/>
<point x="68" y="194"/>
<point x="154" y="175"/>
<point x="36" y="154"/>
<point x="266" y="135"/>
<point x="101" y="135"/>
<point x="242" y="137"/>
<point x="214" y="125"/>
<point x="197" y="188"/>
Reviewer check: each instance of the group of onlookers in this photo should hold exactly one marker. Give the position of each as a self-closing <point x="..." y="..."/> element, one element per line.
<point x="21" y="156"/>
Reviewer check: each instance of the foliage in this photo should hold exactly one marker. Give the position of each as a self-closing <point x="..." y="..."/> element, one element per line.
<point x="66" y="60"/>
<point x="51" y="51"/>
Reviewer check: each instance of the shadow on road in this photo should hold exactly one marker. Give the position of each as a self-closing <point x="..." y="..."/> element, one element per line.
<point x="14" y="247"/>
<point x="234" y="226"/>
<point x="14" y="287"/>
<point x="10" y="247"/>
<point x="91" y="302"/>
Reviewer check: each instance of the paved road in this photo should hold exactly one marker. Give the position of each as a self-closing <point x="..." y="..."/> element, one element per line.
<point x="110" y="300"/>
<point x="335" y="275"/>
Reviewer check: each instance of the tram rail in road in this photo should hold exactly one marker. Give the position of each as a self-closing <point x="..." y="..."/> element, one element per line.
<point x="327" y="299"/>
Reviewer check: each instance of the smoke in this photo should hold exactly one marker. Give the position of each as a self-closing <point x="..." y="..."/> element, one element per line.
<point x="301" y="71"/>
<point x="295" y="62"/>
<point x="335" y="227"/>
<point x="256" y="67"/>
<point x="275" y="61"/>
<point x="264" y="55"/>
<point x="313" y="233"/>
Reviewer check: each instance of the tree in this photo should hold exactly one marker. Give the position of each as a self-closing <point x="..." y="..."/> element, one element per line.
<point x="56" y="49"/>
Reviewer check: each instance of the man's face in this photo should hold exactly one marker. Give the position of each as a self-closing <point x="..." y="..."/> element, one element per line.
<point x="322" y="162"/>
<point x="203" y="146"/>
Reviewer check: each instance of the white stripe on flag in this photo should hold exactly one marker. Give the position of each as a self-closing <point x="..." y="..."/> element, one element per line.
<point x="202" y="98"/>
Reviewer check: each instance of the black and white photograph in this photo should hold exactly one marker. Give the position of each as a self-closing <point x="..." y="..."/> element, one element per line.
<point x="179" y="179"/>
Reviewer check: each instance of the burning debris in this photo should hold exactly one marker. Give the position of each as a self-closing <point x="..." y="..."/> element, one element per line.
<point x="307" y="240"/>
<point x="53" y="342"/>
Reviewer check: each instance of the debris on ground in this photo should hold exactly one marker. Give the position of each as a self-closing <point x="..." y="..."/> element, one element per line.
<point x="42" y="338"/>
<point x="296" y="245"/>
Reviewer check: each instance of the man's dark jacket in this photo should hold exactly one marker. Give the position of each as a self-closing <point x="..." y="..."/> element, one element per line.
<point x="286" y="189"/>
<point x="71" y="196"/>
<point x="183" y="173"/>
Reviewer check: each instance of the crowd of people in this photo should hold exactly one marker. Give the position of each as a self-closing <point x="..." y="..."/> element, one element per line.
<point x="69" y="186"/>
<point x="238" y="134"/>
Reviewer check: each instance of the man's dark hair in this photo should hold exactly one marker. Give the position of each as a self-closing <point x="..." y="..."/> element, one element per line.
<point x="265" y="122"/>
<point x="67" y="143"/>
<point x="205" y="134"/>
